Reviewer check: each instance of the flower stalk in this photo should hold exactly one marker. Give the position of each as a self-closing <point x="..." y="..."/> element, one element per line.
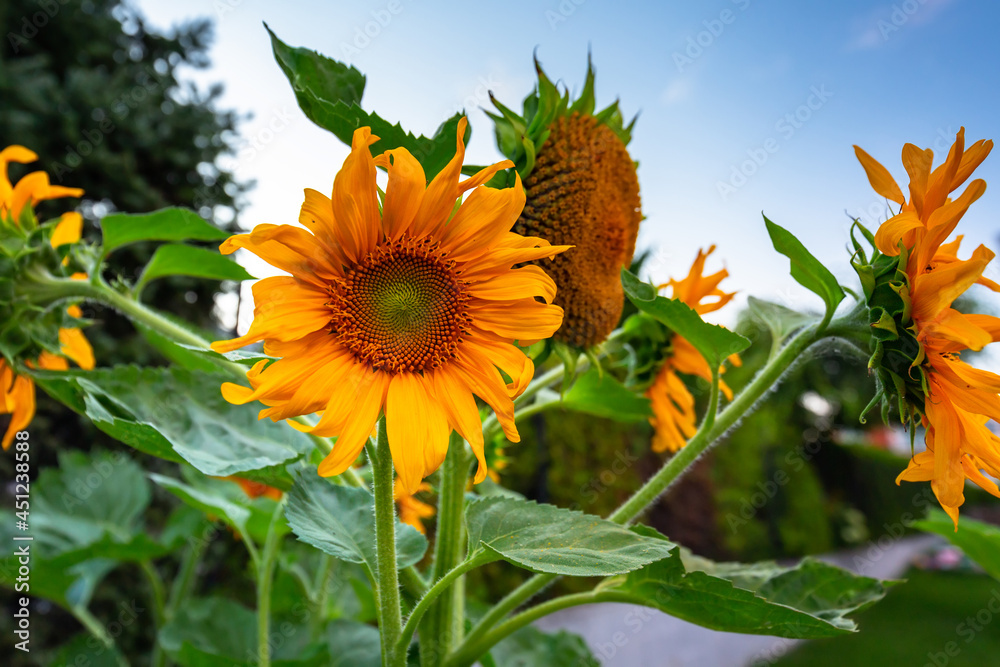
<point x="386" y="574"/>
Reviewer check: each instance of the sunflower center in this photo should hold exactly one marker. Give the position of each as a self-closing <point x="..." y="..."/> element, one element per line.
<point x="584" y="192"/>
<point x="401" y="309"/>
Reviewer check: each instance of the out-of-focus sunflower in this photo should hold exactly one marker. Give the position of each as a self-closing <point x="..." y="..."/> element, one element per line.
<point x="674" y="417"/>
<point x="582" y="190"/>
<point x="17" y="201"/>
<point x="256" y="490"/>
<point x="910" y="284"/>
<point x="411" y="510"/>
<point x="410" y="308"/>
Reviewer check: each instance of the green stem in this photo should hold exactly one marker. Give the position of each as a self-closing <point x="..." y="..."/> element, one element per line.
<point x="425" y="602"/>
<point x="674" y="468"/>
<point x="157" y="657"/>
<point x="94" y="626"/>
<point x="321" y="593"/>
<point x="265" y="579"/>
<point x="469" y="652"/>
<point x="445" y="621"/>
<point x="387" y="575"/>
<point x="184" y="581"/>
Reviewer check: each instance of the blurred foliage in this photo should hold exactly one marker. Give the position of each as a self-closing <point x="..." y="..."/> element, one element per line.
<point x="99" y="97"/>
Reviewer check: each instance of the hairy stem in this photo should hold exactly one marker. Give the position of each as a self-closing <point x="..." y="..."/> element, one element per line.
<point x="390" y="619"/>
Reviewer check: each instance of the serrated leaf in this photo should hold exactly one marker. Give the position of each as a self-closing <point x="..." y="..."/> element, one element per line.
<point x="168" y="224"/>
<point x="177" y="414"/>
<point x="600" y="394"/>
<point x="713" y="342"/>
<point x="546" y="538"/>
<point x="178" y="259"/>
<point x="980" y="541"/>
<point x="810" y="600"/>
<point x="779" y="320"/>
<point x="806" y="269"/>
<point x="340" y="521"/>
<point x="329" y="93"/>
<point x="531" y="646"/>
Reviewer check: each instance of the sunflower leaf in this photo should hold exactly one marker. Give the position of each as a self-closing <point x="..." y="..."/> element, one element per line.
<point x="805" y="268"/>
<point x="329" y="93"/>
<point x="713" y="342"/>
<point x="177" y="259"/>
<point x="196" y="424"/>
<point x="980" y="541"/>
<point x="339" y="520"/>
<point x="810" y="600"/>
<point x="168" y="224"/>
<point x="546" y="538"/>
<point x="600" y="394"/>
<point x="780" y="321"/>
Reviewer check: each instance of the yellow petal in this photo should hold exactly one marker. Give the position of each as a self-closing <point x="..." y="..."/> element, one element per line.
<point x="879" y="177"/>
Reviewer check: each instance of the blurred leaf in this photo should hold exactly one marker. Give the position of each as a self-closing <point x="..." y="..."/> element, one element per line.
<point x="208" y="503"/>
<point x="215" y="632"/>
<point x="810" y="600"/>
<point x="980" y="541"/>
<point x="530" y="646"/>
<point x="780" y="321"/>
<point x="178" y="259"/>
<point x="806" y="269"/>
<point x="340" y="521"/>
<point x="330" y="92"/>
<point x="176" y="414"/>
<point x="168" y="224"/>
<point x="546" y="538"/>
<point x="600" y="394"/>
<point x="713" y="342"/>
<point x="353" y="644"/>
<point x="85" y="649"/>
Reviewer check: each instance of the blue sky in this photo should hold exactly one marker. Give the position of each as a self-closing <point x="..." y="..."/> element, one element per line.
<point x="745" y="106"/>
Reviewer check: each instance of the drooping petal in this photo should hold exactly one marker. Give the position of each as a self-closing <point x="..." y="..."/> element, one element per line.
<point x="879" y="177"/>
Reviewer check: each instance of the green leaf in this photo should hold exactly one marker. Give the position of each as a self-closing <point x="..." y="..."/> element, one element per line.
<point x="713" y="342"/>
<point x="177" y="259"/>
<point x="353" y="644"/>
<point x="232" y="513"/>
<point x="84" y="649"/>
<point x="340" y="521"/>
<point x="546" y="538"/>
<point x="980" y="541"/>
<point x="168" y="224"/>
<point x="176" y="414"/>
<point x="530" y="646"/>
<point x="810" y="600"/>
<point x="215" y="632"/>
<point x="600" y="394"/>
<point x="329" y="93"/>
<point x="806" y="269"/>
<point x="780" y="321"/>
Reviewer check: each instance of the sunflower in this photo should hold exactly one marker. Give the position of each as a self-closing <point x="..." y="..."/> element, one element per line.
<point x="910" y="286"/>
<point x="411" y="510"/>
<point x="674" y="417"/>
<point x="254" y="489"/>
<point x="410" y="309"/>
<point x="17" y="392"/>
<point x="582" y="190"/>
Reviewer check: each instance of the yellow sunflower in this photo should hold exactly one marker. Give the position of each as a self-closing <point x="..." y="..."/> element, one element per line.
<point x="255" y="489"/>
<point x="17" y="392"/>
<point x="410" y="309"/>
<point x="950" y="398"/>
<point x="411" y="510"/>
<point x="674" y="419"/>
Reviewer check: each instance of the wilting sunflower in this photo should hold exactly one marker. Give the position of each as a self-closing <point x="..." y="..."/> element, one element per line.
<point x="411" y="309"/>
<point x="910" y="285"/>
<point x="674" y="417"/>
<point x="582" y="190"/>
<point x="17" y="392"/>
<point x="411" y="510"/>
